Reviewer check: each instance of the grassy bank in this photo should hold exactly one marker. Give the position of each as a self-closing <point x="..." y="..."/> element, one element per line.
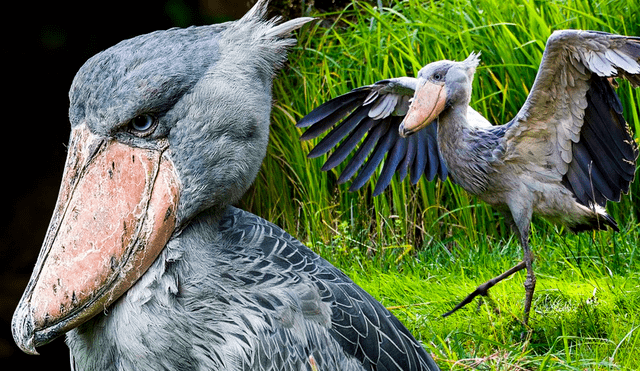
<point x="420" y="249"/>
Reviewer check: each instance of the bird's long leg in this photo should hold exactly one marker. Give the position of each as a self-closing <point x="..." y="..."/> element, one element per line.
<point x="521" y="212"/>
<point x="483" y="289"/>
<point x="530" y="281"/>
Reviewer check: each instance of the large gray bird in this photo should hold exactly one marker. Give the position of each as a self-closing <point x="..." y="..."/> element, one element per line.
<point x="146" y="266"/>
<point x="566" y="152"/>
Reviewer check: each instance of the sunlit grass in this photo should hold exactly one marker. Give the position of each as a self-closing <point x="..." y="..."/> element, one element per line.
<point x="420" y="249"/>
<point x="586" y="310"/>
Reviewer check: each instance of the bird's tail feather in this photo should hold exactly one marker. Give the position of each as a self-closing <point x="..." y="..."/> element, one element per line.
<point x="598" y="220"/>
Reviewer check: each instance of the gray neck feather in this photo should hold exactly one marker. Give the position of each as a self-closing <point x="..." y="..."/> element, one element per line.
<point x="466" y="150"/>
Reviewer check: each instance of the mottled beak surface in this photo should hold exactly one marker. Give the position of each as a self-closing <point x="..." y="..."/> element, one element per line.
<point x="115" y="212"/>
<point x="428" y="102"/>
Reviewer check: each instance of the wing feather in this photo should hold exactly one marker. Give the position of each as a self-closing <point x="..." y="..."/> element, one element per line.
<point x="324" y="122"/>
<point x="361" y="153"/>
<point x="321" y="112"/>
<point x="409" y="156"/>
<point x="345" y="148"/>
<point x="420" y="161"/>
<point x="394" y="158"/>
<point x="369" y="118"/>
<point x="337" y="134"/>
<point x="433" y="157"/>
<point x="571" y="125"/>
<point x="383" y="145"/>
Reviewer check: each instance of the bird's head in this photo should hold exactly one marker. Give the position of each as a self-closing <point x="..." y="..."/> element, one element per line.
<point x="441" y="85"/>
<point x="163" y="127"/>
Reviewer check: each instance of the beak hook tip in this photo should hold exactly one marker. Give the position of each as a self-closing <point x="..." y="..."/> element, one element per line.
<point x="401" y="130"/>
<point x="23" y="331"/>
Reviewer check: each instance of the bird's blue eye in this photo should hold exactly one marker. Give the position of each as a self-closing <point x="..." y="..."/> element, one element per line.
<point x="142" y="125"/>
<point x="437" y="76"/>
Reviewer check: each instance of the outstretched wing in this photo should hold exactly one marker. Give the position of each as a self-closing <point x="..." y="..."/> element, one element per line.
<point x="571" y="126"/>
<point x="374" y="112"/>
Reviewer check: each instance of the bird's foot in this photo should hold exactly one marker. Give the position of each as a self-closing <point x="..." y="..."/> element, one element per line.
<point x="480" y="290"/>
<point x="483" y="289"/>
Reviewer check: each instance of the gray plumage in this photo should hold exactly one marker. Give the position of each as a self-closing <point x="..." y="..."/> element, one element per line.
<point x="235" y="292"/>
<point x="566" y="152"/>
<point x="229" y="291"/>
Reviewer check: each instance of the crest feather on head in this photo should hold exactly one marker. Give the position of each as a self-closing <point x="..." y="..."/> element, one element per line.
<point x="472" y="60"/>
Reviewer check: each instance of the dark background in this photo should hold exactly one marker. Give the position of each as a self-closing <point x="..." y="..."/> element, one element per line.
<point x="45" y="43"/>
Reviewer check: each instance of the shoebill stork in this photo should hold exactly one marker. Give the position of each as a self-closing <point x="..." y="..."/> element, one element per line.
<point x="146" y="266"/>
<point x="566" y="152"/>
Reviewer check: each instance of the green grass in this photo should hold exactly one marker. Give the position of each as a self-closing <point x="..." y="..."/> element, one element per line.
<point x="586" y="310"/>
<point x="420" y="249"/>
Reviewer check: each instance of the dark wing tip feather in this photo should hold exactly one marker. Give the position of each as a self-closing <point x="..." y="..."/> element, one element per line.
<point x="382" y="146"/>
<point x="603" y="163"/>
<point x="321" y="112"/>
<point x="340" y="109"/>
<point x="339" y="132"/>
<point x="344" y="148"/>
<point x="367" y="124"/>
<point x="433" y="155"/>
<point x="409" y="156"/>
<point x="417" y="154"/>
<point x="394" y="157"/>
<point x="420" y="161"/>
<point x="361" y="153"/>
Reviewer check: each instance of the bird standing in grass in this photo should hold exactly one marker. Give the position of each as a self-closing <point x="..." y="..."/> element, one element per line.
<point x="566" y="152"/>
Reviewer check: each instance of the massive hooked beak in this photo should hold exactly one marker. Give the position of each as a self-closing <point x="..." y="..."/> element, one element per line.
<point x="115" y="212"/>
<point x="428" y="102"/>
